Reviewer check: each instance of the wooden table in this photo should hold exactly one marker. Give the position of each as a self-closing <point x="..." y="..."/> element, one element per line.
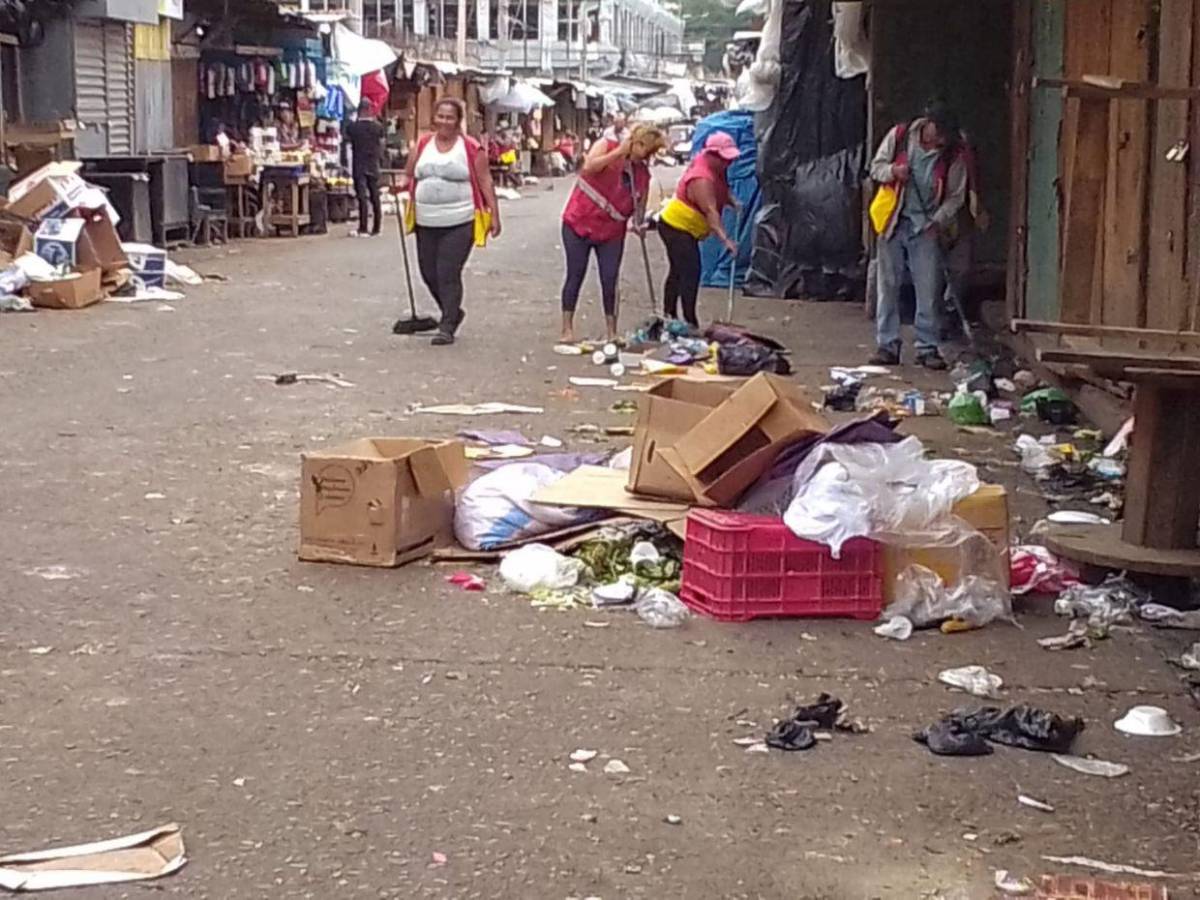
<point x="1162" y="487"/>
<point x="285" y="194"/>
<point x="241" y="220"/>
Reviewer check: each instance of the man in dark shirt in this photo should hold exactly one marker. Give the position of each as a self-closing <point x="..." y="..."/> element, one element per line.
<point x="366" y="136"/>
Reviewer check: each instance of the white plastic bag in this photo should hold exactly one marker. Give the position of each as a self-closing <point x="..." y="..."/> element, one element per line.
<point x="923" y="599"/>
<point x="889" y="492"/>
<point x="495" y="508"/>
<point x="538" y="567"/>
<point x="661" y="609"/>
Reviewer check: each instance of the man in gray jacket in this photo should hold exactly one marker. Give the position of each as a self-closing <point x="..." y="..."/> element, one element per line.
<point x="924" y="162"/>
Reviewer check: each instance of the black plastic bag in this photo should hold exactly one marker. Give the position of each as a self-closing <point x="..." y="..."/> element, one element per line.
<point x="750" y="359"/>
<point x="808" y="239"/>
<point x="963" y="733"/>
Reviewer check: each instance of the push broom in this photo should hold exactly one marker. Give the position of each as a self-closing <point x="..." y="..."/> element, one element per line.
<point x="414" y="324"/>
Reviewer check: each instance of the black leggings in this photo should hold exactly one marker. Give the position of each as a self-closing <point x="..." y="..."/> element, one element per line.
<point x="441" y="255"/>
<point x="608" y="260"/>
<point x="366" y="187"/>
<point x="683" y="279"/>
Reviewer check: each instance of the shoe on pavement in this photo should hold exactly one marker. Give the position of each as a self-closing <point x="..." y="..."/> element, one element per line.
<point x="885" y="356"/>
<point x="932" y="360"/>
<point x="442" y="339"/>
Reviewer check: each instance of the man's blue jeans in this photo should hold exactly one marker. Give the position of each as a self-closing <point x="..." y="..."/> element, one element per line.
<point x="921" y="255"/>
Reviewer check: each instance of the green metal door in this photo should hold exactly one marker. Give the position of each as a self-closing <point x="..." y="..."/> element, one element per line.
<point x="1046" y="111"/>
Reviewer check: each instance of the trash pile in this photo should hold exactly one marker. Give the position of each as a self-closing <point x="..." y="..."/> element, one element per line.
<point x="59" y="248"/>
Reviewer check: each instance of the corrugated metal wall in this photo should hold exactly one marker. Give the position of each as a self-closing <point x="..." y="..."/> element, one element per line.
<point x="153" y="103"/>
<point x="153" y="95"/>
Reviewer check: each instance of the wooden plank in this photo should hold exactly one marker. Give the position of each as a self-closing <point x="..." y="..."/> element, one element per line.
<point x="1088" y="157"/>
<point x="1138" y="334"/>
<point x="1166" y="289"/>
<point x="1162" y="492"/>
<point x="1193" y="189"/>
<point x="1123" y="288"/>
<point x="1019" y="157"/>
<point x="1107" y="87"/>
<point x="1087" y="30"/>
<point x="1116" y="364"/>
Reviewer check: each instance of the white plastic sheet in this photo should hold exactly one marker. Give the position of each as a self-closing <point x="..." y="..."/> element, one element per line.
<point x="852" y="49"/>
<point x="889" y="492"/>
<point x="756" y="86"/>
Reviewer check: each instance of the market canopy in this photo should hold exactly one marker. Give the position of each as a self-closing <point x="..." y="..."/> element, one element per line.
<point x="522" y="97"/>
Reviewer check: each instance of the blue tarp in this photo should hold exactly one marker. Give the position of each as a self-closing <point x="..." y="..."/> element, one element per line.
<point x="743" y="183"/>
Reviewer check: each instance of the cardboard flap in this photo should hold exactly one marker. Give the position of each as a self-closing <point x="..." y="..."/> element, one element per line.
<point x="672" y="458"/>
<point x="427" y="471"/>
<point x="453" y="458"/>
<point x="701" y="446"/>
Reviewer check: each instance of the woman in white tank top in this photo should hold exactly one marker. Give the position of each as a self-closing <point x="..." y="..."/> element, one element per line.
<point x="452" y="183"/>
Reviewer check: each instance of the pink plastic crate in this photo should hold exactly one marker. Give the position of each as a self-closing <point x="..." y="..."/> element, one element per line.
<point x="738" y="567"/>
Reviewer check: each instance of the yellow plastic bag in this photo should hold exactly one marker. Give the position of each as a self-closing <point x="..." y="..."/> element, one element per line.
<point x="883" y="207"/>
<point x="509" y="157"/>
<point x="483" y="227"/>
<point x="410" y="214"/>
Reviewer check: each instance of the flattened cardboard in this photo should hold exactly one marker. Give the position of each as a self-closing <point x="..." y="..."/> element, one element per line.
<point x="138" y="857"/>
<point x="77" y="292"/>
<point x="666" y="413"/>
<point x="598" y="487"/>
<point x="379" y="501"/>
<point x="732" y="446"/>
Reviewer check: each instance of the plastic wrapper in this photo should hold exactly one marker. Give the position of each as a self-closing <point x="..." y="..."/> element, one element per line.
<point x="495" y="509"/>
<point x="1035" y="570"/>
<point x="536" y="567"/>
<point x="13" y="280"/>
<point x="923" y="599"/>
<point x="661" y="609"/>
<point x="808" y="239"/>
<point x="888" y="492"/>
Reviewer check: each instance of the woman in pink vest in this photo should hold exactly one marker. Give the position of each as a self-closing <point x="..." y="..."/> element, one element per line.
<point x="610" y="191"/>
<point x="455" y="209"/>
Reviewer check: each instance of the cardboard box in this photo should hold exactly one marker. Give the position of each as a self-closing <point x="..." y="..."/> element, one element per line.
<point x="203" y="153"/>
<point x="666" y="413"/>
<point x="147" y="265"/>
<point x="15" y="240"/>
<point x="55" y="191"/>
<point x="986" y="510"/>
<point x="732" y="446"/>
<point x="57" y="241"/>
<point x="82" y="288"/>
<point x="379" y="501"/>
<point x="100" y="246"/>
<point x="239" y="166"/>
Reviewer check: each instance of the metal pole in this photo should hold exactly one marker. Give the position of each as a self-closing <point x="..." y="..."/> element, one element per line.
<point x="525" y="31"/>
<point x="460" y="34"/>
<point x="583" y="42"/>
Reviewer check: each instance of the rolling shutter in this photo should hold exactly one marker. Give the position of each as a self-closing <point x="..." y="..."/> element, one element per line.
<point x="104" y="84"/>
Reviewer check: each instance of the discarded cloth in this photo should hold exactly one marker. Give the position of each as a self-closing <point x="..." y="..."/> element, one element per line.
<point x="799" y="732"/>
<point x="964" y="733"/>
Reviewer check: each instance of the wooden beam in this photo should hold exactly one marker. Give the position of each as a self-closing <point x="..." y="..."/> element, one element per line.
<point x="1017" y="270"/>
<point x="1097" y="87"/>
<point x="1115" y="364"/>
<point x="1111" y="331"/>
<point x="1167" y="303"/>
<point x="1123" y="287"/>
<point x="1087" y="149"/>
<point x="1192" y="251"/>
